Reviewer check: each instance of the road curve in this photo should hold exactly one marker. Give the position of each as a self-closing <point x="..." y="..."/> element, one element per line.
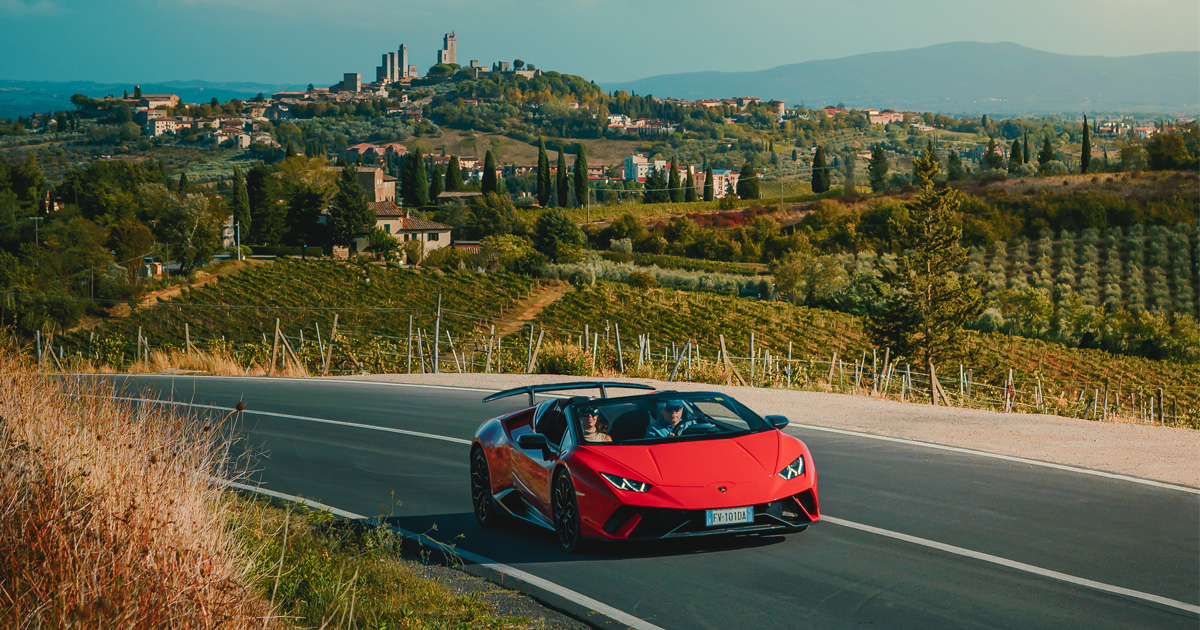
<point x="919" y="538"/>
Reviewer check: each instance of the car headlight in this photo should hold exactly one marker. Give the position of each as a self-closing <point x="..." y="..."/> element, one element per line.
<point x="794" y="469"/>
<point x="621" y="483"/>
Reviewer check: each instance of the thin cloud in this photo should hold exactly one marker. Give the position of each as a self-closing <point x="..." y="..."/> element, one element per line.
<point x="17" y="7"/>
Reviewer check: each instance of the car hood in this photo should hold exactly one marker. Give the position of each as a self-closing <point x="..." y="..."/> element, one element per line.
<point x="693" y="463"/>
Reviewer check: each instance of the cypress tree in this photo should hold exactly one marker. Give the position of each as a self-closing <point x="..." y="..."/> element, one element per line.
<point x="1027" y="150"/>
<point x="878" y="169"/>
<point x="291" y="151"/>
<point x="747" y="186"/>
<point x="820" y="172"/>
<point x="1085" y="157"/>
<point x="544" y="184"/>
<point x="239" y="203"/>
<point x="560" y="180"/>
<point x="689" y="188"/>
<point x="489" y="172"/>
<point x="955" y="170"/>
<point x="436" y="184"/>
<point x="454" y="180"/>
<point x="415" y="184"/>
<point x="1014" y="155"/>
<point x="581" y="176"/>
<point x="674" y="188"/>
<point x="183" y="183"/>
<point x="848" y="183"/>
<point x="349" y="213"/>
<point x="267" y="215"/>
<point x="709" y="191"/>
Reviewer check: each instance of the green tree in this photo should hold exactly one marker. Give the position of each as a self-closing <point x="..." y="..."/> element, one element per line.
<point x="191" y="226"/>
<point x="489" y="173"/>
<point x="1026" y="149"/>
<point x="689" y="188"/>
<point x="955" y="171"/>
<point x="1085" y="155"/>
<point x="349" y="214"/>
<point x="493" y="214"/>
<point x="922" y="315"/>
<point x="992" y="158"/>
<point x="268" y="216"/>
<point x="304" y="206"/>
<point x="747" y="186"/>
<point x="544" y="185"/>
<point x="654" y="188"/>
<point x="1166" y="151"/>
<point x="709" y="190"/>
<point x="848" y="182"/>
<point x="436" y="181"/>
<point x="674" y="188"/>
<point x="454" y="178"/>
<point x="1014" y="155"/>
<point x="183" y="183"/>
<point x="820" y="172"/>
<point x="556" y="236"/>
<point x="560" y="180"/>
<point x="878" y="169"/>
<point x="413" y="185"/>
<point x="239" y="203"/>
<point x="1047" y="154"/>
<point x="581" y="176"/>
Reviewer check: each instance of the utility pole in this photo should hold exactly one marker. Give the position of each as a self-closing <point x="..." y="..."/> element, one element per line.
<point x="237" y="239"/>
<point x="36" y="239"/>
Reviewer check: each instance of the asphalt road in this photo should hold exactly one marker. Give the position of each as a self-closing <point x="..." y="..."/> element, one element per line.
<point x="1112" y="532"/>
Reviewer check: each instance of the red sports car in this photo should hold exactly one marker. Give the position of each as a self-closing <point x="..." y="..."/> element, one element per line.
<point x="660" y="465"/>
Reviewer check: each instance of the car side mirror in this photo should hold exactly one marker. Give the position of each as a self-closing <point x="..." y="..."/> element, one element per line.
<point x="532" y="441"/>
<point x="777" y="421"/>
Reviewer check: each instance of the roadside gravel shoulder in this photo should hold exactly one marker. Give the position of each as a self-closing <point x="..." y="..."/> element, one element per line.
<point x="1166" y="454"/>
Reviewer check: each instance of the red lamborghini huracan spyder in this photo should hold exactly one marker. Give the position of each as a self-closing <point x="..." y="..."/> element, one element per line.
<point x="658" y="465"/>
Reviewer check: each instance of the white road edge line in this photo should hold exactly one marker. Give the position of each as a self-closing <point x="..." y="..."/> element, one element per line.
<point x="615" y="614"/>
<point x="872" y="436"/>
<point x="1013" y="564"/>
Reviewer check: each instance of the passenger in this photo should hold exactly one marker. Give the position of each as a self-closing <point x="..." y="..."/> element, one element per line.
<point x="595" y="427"/>
<point x="668" y="420"/>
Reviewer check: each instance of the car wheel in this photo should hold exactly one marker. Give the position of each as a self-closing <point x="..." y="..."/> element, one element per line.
<point x="566" y="513"/>
<point x="481" y="490"/>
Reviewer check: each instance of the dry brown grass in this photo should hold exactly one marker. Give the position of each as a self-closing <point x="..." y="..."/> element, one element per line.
<point x="109" y="516"/>
<point x="196" y="362"/>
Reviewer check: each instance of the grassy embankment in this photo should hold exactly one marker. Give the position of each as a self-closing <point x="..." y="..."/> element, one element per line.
<point x="112" y="518"/>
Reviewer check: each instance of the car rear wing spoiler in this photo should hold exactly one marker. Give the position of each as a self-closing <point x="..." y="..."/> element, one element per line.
<point x="534" y="390"/>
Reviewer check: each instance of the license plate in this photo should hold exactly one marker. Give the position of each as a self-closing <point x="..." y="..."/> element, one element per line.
<point x="729" y="516"/>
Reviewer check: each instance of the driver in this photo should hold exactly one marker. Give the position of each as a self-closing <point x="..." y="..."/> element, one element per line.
<point x="668" y="420"/>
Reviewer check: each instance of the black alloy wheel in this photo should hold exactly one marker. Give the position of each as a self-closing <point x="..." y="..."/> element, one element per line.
<point x="566" y="513"/>
<point x="481" y="490"/>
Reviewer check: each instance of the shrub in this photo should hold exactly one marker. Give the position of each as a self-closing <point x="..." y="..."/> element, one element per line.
<point x="642" y="279"/>
<point x="1054" y="167"/>
<point x="564" y="358"/>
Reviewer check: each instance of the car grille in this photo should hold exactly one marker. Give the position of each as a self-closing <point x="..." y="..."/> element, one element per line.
<point x="786" y="513"/>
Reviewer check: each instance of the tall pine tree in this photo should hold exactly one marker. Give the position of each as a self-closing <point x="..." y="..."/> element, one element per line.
<point x="239" y="204"/>
<point x="709" y="190"/>
<point x="560" y="181"/>
<point x="581" y="176"/>
<point x="436" y="184"/>
<point x="820" y="172"/>
<point x="922" y="317"/>
<point x="747" y="186"/>
<point x="267" y="215"/>
<point x="992" y="158"/>
<point x="1047" y="154"/>
<point x="878" y="169"/>
<point x="1026" y="150"/>
<point x="1085" y="156"/>
<point x="489" y="173"/>
<point x="1014" y="155"/>
<point x="544" y="185"/>
<point x="689" y="187"/>
<point x="183" y="183"/>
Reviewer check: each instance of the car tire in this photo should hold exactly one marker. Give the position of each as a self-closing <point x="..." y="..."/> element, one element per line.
<point x="565" y="505"/>
<point x="482" y="502"/>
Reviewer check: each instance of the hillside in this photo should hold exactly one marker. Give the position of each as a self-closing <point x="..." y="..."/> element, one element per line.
<point x="19" y="98"/>
<point x="1000" y="78"/>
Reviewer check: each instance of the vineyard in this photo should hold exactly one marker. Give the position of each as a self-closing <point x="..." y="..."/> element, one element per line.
<point x="1155" y="269"/>
<point x="369" y="301"/>
<point x="1066" y="377"/>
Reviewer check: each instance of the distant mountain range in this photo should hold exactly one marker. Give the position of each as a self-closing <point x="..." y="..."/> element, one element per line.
<point x="20" y="98"/>
<point x="960" y="77"/>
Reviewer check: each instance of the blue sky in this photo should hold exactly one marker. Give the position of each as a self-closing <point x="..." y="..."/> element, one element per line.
<point x="302" y="41"/>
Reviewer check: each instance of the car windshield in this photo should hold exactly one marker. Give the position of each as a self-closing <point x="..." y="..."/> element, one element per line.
<point x="658" y="419"/>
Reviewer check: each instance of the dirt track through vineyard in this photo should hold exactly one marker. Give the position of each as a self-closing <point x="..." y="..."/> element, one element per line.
<point x="528" y="309"/>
